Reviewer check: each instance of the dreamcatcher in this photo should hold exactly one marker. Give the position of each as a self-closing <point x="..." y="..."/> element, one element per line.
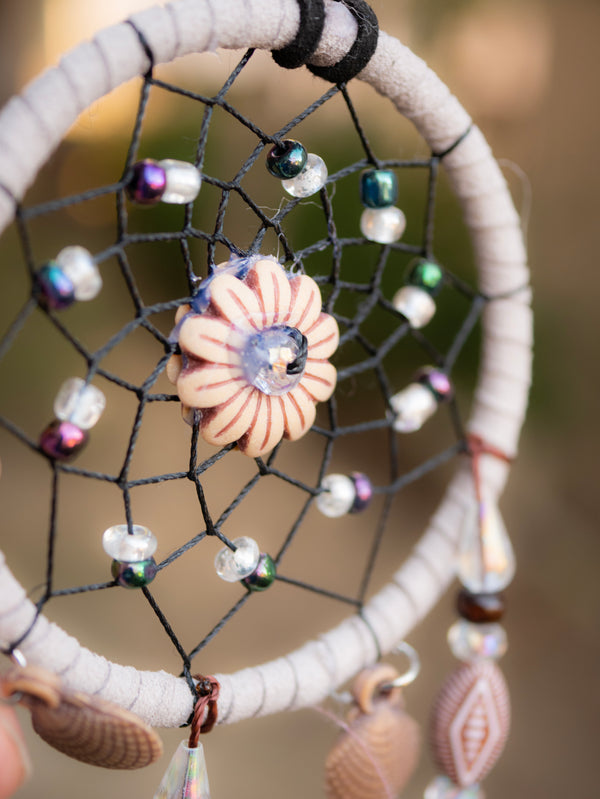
<point x="260" y="349"/>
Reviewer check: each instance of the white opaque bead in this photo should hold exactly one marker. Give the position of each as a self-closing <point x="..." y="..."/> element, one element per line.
<point x="338" y="495"/>
<point x="412" y="407"/>
<point x="183" y="181"/>
<point x="78" y="265"/>
<point x="444" y="788"/>
<point x="469" y="641"/>
<point x="311" y="180"/>
<point x="383" y="225"/>
<point x="486" y="561"/>
<point x="127" y="547"/>
<point x="233" y="566"/>
<point x="78" y="403"/>
<point x="415" y="304"/>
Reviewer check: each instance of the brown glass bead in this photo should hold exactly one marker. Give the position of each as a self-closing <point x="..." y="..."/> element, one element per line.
<point x="480" y="608"/>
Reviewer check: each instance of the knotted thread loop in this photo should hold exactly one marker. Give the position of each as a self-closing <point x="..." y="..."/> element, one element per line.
<point x="205" y="709"/>
<point x="475" y="448"/>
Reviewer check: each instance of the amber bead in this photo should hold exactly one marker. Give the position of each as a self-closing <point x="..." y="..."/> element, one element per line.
<point x="480" y="608"/>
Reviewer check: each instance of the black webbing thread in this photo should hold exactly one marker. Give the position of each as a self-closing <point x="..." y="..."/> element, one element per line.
<point x="312" y="19"/>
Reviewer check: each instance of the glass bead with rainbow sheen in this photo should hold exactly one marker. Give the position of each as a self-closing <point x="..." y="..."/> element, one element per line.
<point x="56" y="288"/>
<point x="286" y="159"/>
<point x="443" y="788"/>
<point x="426" y="275"/>
<point x="471" y="642"/>
<point x="378" y="188"/>
<point x="134" y="575"/>
<point x="62" y="440"/>
<point x="263" y="575"/>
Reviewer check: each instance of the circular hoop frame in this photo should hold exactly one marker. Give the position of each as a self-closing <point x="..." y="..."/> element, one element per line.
<point x="31" y="127"/>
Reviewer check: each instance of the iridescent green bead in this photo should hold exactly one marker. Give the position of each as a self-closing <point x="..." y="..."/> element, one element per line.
<point x="134" y="575"/>
<point x="426" y="275"/>
<point x="264" y="574"/>
<point x="378" y="188"/>
<point x="286" y="159"/>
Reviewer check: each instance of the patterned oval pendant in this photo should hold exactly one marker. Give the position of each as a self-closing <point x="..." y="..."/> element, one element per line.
<point x="470" y="722"/>
<point x="377" y="754"/>
<point x="84" y="727"/>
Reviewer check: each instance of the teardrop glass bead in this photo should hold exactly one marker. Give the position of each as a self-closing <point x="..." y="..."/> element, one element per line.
<point x="486" y="561"/>
<point x="185" y="777"/>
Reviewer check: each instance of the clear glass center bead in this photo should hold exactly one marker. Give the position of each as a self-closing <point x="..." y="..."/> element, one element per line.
<point x="233" y="566"/>
<point x="128" y="547"/>
<point x="78" y="403"/>
<point x="471" y="642"/>
<point x="486" y="561"/>
<point x="275" y="358"/>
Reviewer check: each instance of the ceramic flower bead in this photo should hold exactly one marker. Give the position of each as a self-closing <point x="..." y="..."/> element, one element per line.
<point x="254" y="359"/>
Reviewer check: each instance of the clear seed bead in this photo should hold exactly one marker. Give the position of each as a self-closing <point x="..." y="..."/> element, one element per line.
<point x="78" y="265"/>
<point x="470" y="641"/>
<point x="412" y="407"/>
<point x="311" y="180"/>
<point x="415" y="304"/>
<point x="338" y="495"/>
<point x="444" y="788"/>
<point x="78" y="403"/>
<point x="486" y="561"/>
<point x="383" y="225"/>
<point x="183" y="181"/>
<point x="120" y="545"/>
<point x="233" y="566"/>
<point x="275" y="359"/>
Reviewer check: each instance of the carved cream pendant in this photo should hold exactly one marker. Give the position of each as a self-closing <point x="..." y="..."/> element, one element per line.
<point x="84" y="727"/>
<point x="378" y="753"/>
<point x="254" y="355"/>
<point x="470" y="724"/>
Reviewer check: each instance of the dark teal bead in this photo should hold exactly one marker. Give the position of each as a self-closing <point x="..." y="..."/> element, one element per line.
<point x="427" y="275"/>
<point x="378" y="188"/>
<point x="57" y="290"/>
<point x="264" y="574"/>
<point x="134" y="575"/>
<point x="286" y="159"/>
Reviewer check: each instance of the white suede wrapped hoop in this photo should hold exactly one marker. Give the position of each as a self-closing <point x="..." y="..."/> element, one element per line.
<point x="32" y="125"/>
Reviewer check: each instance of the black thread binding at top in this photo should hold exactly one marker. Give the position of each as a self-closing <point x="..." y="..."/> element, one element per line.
<point x="359" y="55"/>
<point x="297" y="52"/>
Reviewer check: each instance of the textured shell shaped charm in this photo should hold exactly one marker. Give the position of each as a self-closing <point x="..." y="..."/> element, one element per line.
<point x="470" y="723"/>
<point x="378" y="753"/>
<point x="254" y="350"/>
<point x="83" y="727"/>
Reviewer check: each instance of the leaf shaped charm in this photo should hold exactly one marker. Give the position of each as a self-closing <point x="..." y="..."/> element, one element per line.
<point x="84" y="727"/>
<point x="375" y="757"/>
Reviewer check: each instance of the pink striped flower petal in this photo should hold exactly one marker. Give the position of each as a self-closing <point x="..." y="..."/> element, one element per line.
<point x="299" y="413"/>
<point x="230" y="420"/>
<point x="323" y="337"/>
<point x="319" y="379"/>
<point x="212" y="339"/>
<point x="210" y="385"/>
<point x="306" y="303"/>
<point x="235" y="302"/>
<point x="266" y="429"/>
<point x="272" y="288"/>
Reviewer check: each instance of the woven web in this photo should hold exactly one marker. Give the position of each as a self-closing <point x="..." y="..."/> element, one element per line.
<point x="360" y="352"/>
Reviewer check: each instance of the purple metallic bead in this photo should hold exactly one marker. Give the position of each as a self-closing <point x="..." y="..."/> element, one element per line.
<point x="263" y="576"/>
<point x="62" y="440"/>
<point x="148" y="182"/>
<point x="436" y="381"/>
<point x="57" y="290"/>
<point x="364" y="491"/>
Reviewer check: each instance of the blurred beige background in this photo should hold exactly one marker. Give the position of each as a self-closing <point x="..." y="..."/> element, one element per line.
<point x="528" y="73"/>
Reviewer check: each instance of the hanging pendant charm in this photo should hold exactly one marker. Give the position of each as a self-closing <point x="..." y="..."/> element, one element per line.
<point x="470" y="722"/>
<point x="84" y="727"/>
<point x="186" y="776"/>
<point x="377" y="754"/>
